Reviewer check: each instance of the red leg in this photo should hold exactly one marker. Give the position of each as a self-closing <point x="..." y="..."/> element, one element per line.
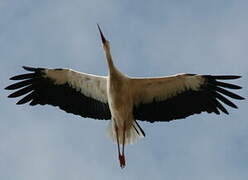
<point x="118" y="146"/>
<point x="117" y="139"/>
<point x="121" y="156"/>
<point x="123" y="147"/>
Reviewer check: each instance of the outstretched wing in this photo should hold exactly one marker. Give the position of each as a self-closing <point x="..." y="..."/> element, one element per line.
<point x="74" y="92"/>
<point x="179" y="96"/>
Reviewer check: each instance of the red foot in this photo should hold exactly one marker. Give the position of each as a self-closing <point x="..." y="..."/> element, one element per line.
<point x="122" y="161"/>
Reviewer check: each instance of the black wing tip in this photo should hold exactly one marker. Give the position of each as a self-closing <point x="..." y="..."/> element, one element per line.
<point x="8" y="88"/>
<point x="13" y="95"/>
<point x="221" y="86"/>
<point x="219" y="89"/>
<point x="28" y="68"/>
<point x="32" y="69"/>
<point x="226" y="77"/>
<point x="241" y="98"/>
<point x="13" y="78"/>
<point x="19" y="103"/>
<point x="225" y="85"/>
<point x="227" y="113"/>
<point x="228" y="93"/>
<point x="28" y="75"/>
<point x="23" y="76"/>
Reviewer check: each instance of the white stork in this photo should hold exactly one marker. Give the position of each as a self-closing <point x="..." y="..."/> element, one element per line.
<point x="124" y="99"/>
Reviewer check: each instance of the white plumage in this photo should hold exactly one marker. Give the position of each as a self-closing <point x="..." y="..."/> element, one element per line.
<point x="88" y="84"/>
<point x="124" y="99"/>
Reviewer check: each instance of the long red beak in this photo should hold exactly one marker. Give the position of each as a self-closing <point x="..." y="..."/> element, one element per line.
<point x="102" y="36"/>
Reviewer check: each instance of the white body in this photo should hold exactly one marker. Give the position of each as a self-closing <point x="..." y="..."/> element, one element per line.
<point x="120" y="99"/>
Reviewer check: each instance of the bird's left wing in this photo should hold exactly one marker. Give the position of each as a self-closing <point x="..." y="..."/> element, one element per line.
<point x="78" y="93"/>
<point x="182" y="95"/>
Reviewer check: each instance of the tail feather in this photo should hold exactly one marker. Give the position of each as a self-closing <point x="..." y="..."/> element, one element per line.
<point x="138" y="128"/>
<point x="132" y="134"/>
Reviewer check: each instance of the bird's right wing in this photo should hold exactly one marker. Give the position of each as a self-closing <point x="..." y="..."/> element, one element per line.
<point x="182" y="95"/>
<point x="78" y="93"/>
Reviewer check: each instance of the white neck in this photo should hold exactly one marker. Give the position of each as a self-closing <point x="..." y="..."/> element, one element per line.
<point x="111" y="67"/>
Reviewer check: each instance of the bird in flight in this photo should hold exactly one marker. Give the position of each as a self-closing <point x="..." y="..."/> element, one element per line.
<point x="122" y="99"/>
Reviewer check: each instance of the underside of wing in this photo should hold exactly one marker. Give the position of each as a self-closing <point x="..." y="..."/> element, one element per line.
<point x="74" y="92"/>
<point x="176" y="97"/>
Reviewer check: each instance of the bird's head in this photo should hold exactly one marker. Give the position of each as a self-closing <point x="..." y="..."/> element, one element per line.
<point x="105" y="42"/>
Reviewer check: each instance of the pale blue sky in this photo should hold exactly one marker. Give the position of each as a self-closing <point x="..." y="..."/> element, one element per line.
<point x="148" y="38"/>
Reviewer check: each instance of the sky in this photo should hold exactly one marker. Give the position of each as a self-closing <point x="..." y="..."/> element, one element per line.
<point x="148" y="38"/>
